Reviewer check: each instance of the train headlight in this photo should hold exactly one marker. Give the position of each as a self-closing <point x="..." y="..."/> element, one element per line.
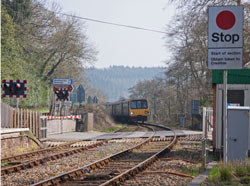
<point x="146" y="112"/>
<point x="131" y="113"/>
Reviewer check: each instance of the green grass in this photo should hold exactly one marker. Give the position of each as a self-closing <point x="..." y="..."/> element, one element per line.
<point x="221" y="173"/>
<point x="4" y="164"/>
<point x="237" y="173"/>
<point x="193" y="171"/>
<point x="42" y="110"/>
<point x="112" y="129"/>
<point x="214" y="173"/>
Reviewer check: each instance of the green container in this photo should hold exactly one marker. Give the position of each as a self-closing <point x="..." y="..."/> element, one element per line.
<point x="233" y="77"/>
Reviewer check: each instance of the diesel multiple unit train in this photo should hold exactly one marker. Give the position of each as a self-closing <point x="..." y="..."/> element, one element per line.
<point x="131" y="110"/>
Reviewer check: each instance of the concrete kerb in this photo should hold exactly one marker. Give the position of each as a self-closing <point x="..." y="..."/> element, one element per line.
<point x="202" y="177"/>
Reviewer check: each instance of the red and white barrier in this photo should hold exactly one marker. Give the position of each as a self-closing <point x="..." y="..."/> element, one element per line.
<point x="64" y="117"/>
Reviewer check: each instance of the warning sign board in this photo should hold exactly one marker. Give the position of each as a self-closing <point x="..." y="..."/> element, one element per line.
<point x="225" y="37"/>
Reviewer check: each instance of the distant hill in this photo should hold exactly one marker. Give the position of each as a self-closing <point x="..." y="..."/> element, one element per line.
<point x="115" y="81"/>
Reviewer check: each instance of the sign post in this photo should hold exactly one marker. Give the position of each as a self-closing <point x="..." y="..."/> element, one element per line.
<point x="62" y="88"/>
<point x="225" y="48"/>
<point x="225" y="117"/>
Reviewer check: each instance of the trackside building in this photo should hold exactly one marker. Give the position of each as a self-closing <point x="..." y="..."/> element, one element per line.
<point x="238" y="95"/>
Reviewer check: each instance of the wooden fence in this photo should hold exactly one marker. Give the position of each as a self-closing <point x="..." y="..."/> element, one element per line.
<point x="20" y="118"/>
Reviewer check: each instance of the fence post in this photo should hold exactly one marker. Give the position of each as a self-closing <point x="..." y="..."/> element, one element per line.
<point x="25" y="118"/>
<point x="15" y="116"/>
<point x="39" y="125"/>
<point x="34" y="121"/>
<point x="21" y="118"/>
<point x="37" y="128"/>
<point x="30" y="122"/>
<point x="12" y="119"/>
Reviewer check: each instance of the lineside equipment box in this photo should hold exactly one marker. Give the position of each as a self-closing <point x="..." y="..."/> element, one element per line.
<point x="238" y="126"/>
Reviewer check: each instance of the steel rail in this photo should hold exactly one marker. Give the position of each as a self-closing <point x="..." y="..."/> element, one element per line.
<point x="36" y="162"/>
<point x="143" y="165"/>
<point x="34" y="153"/>
<point x="28" y="164"/>
<point x="92" y="166"/>
<point x="57" y="180"/>
<point x="42" y="151"/>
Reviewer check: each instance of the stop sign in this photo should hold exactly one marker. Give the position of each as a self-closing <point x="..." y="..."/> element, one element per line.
<point x="225" y="37"/>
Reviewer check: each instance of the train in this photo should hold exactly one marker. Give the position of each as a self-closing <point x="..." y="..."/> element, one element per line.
<point x="130" y="110"/>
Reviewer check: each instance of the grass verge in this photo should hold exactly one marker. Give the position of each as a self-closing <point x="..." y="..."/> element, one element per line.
<point x="236" y="173"/>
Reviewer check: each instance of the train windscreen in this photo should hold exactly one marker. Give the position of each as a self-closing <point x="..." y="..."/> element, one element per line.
<point x="139" y="104"/>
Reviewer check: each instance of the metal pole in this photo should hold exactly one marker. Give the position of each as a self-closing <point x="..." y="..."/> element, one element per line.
<point x="17" y="103"/>
<point x="61" y="122"/>
<point x="204" y="153"/>
<point x="225" y="118"/>
<point x="185" y="113"/>
<point x="204" y="123"/>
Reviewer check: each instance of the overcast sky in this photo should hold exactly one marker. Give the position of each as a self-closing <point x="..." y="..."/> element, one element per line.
<point x="120" y="45"/>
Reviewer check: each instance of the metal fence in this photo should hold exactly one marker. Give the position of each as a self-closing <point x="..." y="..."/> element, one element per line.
<point x="207" y="126"/>
<point x="20" y="118"/>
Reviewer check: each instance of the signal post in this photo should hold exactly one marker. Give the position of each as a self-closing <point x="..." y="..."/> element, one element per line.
<point x="14" y="89"/>
<point x="62" y="89"/>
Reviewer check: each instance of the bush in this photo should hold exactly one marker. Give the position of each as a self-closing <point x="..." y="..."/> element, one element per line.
<point x="221" y="173"/>
<point x="214" y="173"/>
<point x="225" y="174"/>
<point x="245" y="180"/>
<point x="241" y="170"/>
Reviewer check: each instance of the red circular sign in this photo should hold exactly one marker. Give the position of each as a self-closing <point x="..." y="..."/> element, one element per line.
<point x="225" y="20"/>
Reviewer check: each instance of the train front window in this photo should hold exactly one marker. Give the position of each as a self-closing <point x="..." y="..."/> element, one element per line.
<point x="139" y="104"/>
<point x="133" y="104"/>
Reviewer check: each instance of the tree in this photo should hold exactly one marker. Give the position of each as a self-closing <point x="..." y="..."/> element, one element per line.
<point x="19" y="10"/>
<point x="39" y="44"/>
<point x="188" y="70"/>
<point x="54" y="44"/>
<point x="11" y="53"/>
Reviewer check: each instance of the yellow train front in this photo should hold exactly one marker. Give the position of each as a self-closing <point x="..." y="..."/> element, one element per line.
<point x="129" y="110"/>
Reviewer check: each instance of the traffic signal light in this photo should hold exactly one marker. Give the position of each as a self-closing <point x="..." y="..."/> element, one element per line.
<point x="62" y="94"/>
<point x="14" y="88"/>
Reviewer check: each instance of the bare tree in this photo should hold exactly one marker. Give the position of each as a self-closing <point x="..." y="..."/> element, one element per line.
<point x="187" y="39"/>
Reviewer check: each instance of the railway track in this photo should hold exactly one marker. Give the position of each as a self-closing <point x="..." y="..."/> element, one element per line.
<point x="47" y="169"/>
<point x="57" y="153"/>
<point x="116" y="168"/>
<point x="34" y="153"/>
<point x="36" y="158"/>
<point x="177" y="167"/>
<point x="82" y="166"/>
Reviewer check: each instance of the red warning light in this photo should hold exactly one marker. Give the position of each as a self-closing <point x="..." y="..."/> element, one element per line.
<point x="18" y="85"/>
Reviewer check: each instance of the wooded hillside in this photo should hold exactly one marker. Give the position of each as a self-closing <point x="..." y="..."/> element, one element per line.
<point x="115" y="81"/>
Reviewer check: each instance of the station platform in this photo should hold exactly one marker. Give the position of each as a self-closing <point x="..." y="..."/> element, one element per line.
<point x="94" y="136"/>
